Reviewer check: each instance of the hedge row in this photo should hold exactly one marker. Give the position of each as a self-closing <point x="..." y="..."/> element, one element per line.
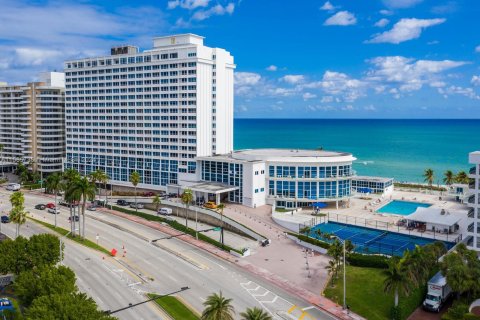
<point x="176" y="226"/>
<point x="354" y="259"/>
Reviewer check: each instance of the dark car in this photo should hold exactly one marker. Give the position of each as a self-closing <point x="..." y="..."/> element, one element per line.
<point x="148" y="194"/>
<point x="66" y="204"/>
<point x="40" y="206"/>
<point x="123" y="202"/>
<point x="77" y="218"/>
<point x="5" y="219"/>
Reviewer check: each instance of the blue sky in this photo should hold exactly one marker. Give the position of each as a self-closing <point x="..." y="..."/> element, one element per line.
<point x="295" y="59"/>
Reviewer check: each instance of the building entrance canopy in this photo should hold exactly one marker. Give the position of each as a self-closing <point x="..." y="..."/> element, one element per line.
<point x="211" y="187"/>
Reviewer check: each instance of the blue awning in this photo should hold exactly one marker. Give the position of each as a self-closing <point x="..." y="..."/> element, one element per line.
<point x="319" y="205"/>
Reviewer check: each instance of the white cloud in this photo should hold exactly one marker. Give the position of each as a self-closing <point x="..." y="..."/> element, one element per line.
<point x="386" y="12"/>
<point x="35" y="57"/>
<point x="467" y="92"/>
<point x="370" y="107"/>
<point x="401" y="4"/>
<point x="187" y="4"/>
<point x="404" y="30"/>
<point x="246" y="78"/>
<point x="408" y="74"/>
<point x="308" y="95"/>
<point x="272" y="68"/>
<point x="382" y="23"/>
<point x="475" y="80"/>
<point x="326" y="99"/>
<point x="320" y="108"/>
<point x="340" y="85"/>
<point x="293" y="78"/>
<point x="341" y="18"/>
<point x="448" y="7"/>
<point x="327" y="6"/>
<point x="348" y="108"/>
<point x="217" y="10"/>
<point x="477" y="49"/>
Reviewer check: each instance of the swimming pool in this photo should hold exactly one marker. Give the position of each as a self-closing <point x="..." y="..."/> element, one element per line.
<point x="367" y="240"/>
<point x="403" y="208"/>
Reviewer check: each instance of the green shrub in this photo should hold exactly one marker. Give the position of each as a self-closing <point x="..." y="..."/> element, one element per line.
<point x="396" y="313"/>
<point x="176" y="226"/>
<point x="315" y="242"/>
<point x="367" y="261"/>
<point x="470" y="316"/>
<point x="456" y="312"/>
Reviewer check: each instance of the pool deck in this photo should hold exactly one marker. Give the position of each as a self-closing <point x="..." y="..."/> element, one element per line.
<point x="360" y="210"/>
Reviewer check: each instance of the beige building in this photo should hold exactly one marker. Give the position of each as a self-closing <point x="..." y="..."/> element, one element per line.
<point x="32" y="123"/>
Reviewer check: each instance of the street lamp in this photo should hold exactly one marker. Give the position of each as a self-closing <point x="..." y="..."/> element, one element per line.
<point x="344" y="272"/>
<point x="61" y="242"/>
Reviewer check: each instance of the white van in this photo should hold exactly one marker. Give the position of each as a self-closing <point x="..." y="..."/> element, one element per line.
<point x="13" y="187"/>
<point x="165" y="211"/>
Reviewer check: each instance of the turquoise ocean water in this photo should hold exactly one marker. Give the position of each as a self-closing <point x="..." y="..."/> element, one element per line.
<point x="402" y="149"/>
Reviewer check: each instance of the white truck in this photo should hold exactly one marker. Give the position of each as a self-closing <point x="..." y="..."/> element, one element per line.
<point x="438" y="292"/>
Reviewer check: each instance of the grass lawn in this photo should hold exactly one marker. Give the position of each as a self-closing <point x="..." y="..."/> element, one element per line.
<point x="365" y="294"/>
<point x="63" y="232"/>
<point x="175" y="308"/>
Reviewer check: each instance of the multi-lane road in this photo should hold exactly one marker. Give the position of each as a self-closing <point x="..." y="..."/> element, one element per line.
<point x="144" y="267"/>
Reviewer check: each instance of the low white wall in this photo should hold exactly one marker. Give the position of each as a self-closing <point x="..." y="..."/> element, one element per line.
<point x="290" y="225"/>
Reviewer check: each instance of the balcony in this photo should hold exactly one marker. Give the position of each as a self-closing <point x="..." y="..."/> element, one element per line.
<point x="470" y="228"/>
<point x="471" y="199"/>
<point x="471" y="186"/>
<point x="473" y="170"/>
<point x="471" y="213"/>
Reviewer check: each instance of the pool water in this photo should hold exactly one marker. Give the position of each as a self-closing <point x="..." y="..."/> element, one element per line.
<point x="373" y="241"/>
<point x="403" y="208"/>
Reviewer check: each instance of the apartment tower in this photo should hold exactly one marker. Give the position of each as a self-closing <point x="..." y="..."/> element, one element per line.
<point x="473" y="201"/>
<point x="152" y="112"/>
<point x="32" y="124"/>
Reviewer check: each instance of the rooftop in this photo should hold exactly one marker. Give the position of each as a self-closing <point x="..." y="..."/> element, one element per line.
<point x="373" y="179"/>
<point x="434" y="215"/>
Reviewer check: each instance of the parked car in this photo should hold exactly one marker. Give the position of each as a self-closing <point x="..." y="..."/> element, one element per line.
<point x="13" y="186"/>
<point x="210" y="205"/>
<point x="53" y="210"/>
<point x="50" y="205"/>
<point x="5" y="219"/>
<point x="137" y="206"/>
<point x="148" y="194"/>
<point x="75" y="217"/>
<point x="165" y="211"/>
<point x="92" y="207"/>
<point x="66" y="204"/>
<point x="40" y="207"/>
<point x="6" y="304"/>
<point x="123" y="202"/>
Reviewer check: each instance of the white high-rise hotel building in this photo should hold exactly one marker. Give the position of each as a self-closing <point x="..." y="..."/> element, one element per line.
<point x="473" y="201"/>
<point x="152" y="112"/>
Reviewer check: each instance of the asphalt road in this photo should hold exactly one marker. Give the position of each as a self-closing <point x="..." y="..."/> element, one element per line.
<point x="164" y="269"/>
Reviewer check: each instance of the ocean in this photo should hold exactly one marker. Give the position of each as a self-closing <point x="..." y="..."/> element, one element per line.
<point x="401" y="149"/>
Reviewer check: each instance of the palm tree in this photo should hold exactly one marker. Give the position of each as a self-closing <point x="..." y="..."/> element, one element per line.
<point x="157" y="202"/>
<point x="101" y="177"/>
<point x="255" y="314"/>
<point x="306" y="230"/>
<point x="220" y="208"/>
<point x="83" y="189"/>
<point x="429" y="176"/>
<point x="54" y="183"/>
<point x="449" y="177"/>
<point x="69" y="176"/>
<point x="135" y="180"/>
<point x="397" y="280"/>
<point x="332" y="269"/>
<point x="1" y="156"/>
<point x="187" y="198"/>
<point x="217" y="307"/>
<point x="462" y="177"/>
<point x="18" y="215"/>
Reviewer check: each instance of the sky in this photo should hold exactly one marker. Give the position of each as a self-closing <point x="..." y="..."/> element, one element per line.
<point x="294" y="59"/>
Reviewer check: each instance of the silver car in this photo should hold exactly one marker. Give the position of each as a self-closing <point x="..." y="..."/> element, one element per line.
<point x="138" y="205"/>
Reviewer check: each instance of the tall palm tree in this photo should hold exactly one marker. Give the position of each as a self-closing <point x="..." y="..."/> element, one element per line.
<point x="157" y="202"/>
<point x="429" y="176"/>
<point x="332" y="269"/>
<point x="449" y="178"/>
<point x="1" y="156"/>
<point x="462" y="177"/>
<point x="397" y="279"/>
<point x="69" y="176"/>
<point x="99" y="176"/>
<point x="18" y="215"/>
<point x="54" y="183"/>
<point x="84" y="189"/>
<point x="255" y="314"/>
<point x="217" y="307"/>
<point x="186" y="198"/>
<point x="135" y="180"/>
<point x="220" y="208"/>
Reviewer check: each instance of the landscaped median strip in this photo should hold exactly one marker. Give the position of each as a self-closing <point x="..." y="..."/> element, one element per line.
<point x="174" y="307"/>
<point x="63" y="232"/>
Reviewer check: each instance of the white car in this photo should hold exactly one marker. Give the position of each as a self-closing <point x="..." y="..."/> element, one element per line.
<point x="139" y="205"/>
<point x="53" y="210"/>
<point x="13" y="187"/>
<point x="165" y="211"/>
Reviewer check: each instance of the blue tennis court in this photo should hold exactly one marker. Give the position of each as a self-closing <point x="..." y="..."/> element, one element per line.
<point x="368" y="240"/>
